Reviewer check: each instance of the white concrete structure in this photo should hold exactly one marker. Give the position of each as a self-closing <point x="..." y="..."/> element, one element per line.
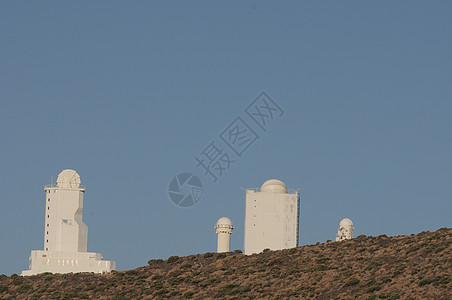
<point x="271" y="217"/>
<point x="224" y="230"/>
<point x="345" y="230"/>
<point x="65" y="234"/>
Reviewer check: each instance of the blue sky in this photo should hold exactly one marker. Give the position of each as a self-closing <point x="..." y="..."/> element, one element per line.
<point x="129" y="93"/>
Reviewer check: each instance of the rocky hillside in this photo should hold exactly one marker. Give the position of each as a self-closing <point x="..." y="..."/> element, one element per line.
<point x="402" y="267"/>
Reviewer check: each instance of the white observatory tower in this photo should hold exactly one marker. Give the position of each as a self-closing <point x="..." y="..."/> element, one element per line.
<point x="65" y="234"/>
<point x="345" y="230"/>
<point x="271" y="217"/>
<point x="224" y="230"/>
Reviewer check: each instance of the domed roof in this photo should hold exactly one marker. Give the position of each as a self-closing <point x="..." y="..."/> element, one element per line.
<point x="274" y="186"/>
<point x="224" y="221"/>
<point x="69" y="179"/>
<point x="346" y="222"/>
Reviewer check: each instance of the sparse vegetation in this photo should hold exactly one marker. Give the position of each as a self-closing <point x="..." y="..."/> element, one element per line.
<point x="351" y="281"/>
<point x="403" y="267"/>
<point x="172" y="259"/>
<point x="209" y="254"/>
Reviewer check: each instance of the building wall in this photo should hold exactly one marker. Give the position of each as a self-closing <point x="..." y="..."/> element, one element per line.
<point x="64" y="228"/>
<point x="223" y="242"/>
<point x="67" y="262"/>
<point x="271" y="221"/>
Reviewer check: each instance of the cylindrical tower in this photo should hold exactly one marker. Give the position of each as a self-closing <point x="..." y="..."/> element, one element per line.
<point x="345" y="230"/>
<point x="224" y="230"/>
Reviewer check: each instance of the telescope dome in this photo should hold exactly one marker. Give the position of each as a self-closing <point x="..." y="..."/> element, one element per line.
<point x="274" y="186"/>
<point x="224" y="221"/>
<point x="346" y="222"/>
<point x="69" y="179"/>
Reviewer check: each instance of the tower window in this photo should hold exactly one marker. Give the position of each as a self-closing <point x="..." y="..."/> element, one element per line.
<point x="47" y="225"/>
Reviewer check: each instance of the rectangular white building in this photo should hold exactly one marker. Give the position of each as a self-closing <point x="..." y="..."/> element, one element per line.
<point x="271" y="218"/>
<point x="65" y="233"/>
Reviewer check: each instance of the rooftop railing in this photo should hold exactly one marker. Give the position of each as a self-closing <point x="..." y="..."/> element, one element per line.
<point x="56" y="186"/>
<point x="258" y="189"/>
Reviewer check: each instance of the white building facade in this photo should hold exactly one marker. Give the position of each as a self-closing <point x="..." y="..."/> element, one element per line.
<point x="272" y="217"/>
<point x="65" y="234"/>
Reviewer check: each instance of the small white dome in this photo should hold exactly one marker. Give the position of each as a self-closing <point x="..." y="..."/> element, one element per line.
<point x="274" y="186"/>
<point x="224" y="221"/>
<point x="346" y="222"/>
<point x="69" y="179"/>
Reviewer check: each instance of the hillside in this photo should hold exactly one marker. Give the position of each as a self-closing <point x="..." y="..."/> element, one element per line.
<point x="403" y="267"/>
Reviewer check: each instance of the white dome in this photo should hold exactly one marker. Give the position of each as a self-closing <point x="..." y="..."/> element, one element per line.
<point x="224" y="221"/>
<point x="274" y="186"/>
<point x="69" y="179"/>
<point x="346" y="222"/>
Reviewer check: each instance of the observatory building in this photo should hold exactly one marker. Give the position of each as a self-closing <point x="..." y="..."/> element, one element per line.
<point x="65" y="234"/>
<point x="345" y="230"/>
<point x="224" y="230"/>
<point x="271" y="217"/>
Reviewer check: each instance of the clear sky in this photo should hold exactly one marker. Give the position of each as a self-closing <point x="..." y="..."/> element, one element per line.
<point x="128" y="93"/>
